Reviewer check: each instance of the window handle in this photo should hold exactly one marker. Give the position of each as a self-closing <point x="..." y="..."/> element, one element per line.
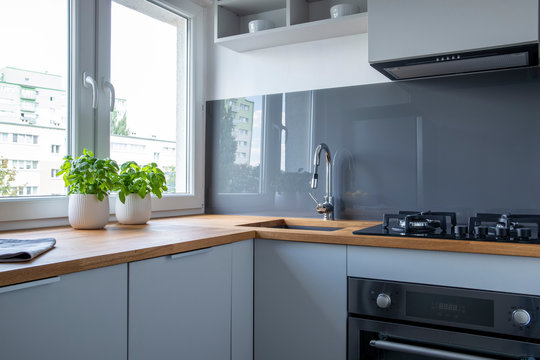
<point x="112" y="98"/>
<point x="90" y="82"/>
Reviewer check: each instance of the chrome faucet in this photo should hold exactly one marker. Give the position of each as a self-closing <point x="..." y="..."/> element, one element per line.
<point x="327" y="207"/>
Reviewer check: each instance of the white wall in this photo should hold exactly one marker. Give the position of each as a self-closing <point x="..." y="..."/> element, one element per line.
<point x="319" y="64"/>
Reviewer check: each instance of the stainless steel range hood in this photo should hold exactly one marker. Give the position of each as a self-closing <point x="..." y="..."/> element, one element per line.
<point x="424" y="38"/>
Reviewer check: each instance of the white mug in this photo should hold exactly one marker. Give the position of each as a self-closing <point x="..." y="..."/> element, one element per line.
<point x="258" y="25"/>
<point x="343" y="10"/>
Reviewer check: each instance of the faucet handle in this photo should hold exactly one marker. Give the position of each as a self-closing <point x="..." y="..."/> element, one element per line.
<point x="325" y="208"/>
<point x="314" y="199"/>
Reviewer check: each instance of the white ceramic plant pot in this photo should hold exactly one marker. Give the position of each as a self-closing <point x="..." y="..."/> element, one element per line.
<point x="87" y="212"/>
<point x="135" y="210"/>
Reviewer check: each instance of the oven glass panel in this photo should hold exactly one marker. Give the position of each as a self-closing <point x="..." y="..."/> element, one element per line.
<point x="448" y="308"/>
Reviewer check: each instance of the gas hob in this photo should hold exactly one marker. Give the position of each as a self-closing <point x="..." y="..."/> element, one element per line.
<point x="443" y="225"/>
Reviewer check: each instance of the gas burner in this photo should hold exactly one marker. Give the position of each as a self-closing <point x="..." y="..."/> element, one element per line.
<point x="414" y="222"/>
<point x="504" y="227"/>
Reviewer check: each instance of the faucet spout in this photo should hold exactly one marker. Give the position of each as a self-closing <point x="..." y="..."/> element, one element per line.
<point x="326" y="208"/>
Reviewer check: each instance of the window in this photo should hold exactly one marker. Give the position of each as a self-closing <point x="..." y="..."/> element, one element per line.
<point x="24" y="139"/>
<point x="162" y="109"/>
<point x="29" y="94"/>
<point x="54" y="172"/>
<point x="31" y="190"/>
<point x="165" y="69"/>
<point x="24" y="164"/>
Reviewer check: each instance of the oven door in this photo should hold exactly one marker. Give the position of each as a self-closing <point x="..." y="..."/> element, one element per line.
<point x="382" y="340"/>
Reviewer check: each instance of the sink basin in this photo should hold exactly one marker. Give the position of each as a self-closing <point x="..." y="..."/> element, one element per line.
<point x="286" y="224"/>
<point x="306" y="227"/>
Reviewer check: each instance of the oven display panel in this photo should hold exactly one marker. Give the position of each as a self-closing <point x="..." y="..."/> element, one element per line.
<point x="449" y="308"/>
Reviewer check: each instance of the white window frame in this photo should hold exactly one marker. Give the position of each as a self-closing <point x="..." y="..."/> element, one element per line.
<point x="91" y="129"/>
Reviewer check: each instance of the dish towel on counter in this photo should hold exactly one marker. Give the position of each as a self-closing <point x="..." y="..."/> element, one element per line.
<point x="12" y="250"/>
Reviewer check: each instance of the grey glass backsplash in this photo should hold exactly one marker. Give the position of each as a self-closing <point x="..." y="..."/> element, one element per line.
<point x="464" y="143"/>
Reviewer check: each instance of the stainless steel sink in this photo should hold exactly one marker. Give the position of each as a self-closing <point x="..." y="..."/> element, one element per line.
<point x="292" y="225"/>
<point x="305" y="227"/>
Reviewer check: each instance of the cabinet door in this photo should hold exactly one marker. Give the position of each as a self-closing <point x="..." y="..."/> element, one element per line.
<point x="300" y="305"/>
<point x="180" y="306"/>
<point x="75" y="316"/>
<point x="242" y="301"/>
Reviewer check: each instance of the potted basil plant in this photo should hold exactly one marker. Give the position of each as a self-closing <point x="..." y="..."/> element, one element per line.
<point x="89" y="180"/>
<point x="135" y="185"/>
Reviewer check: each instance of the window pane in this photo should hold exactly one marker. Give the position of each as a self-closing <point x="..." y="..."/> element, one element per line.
<point x="148" y="70"/>
<point x="33" y="70"/>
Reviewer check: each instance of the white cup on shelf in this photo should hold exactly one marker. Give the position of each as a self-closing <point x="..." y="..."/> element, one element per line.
<point x="344" y="9"/>
<point x="259" y="25"/>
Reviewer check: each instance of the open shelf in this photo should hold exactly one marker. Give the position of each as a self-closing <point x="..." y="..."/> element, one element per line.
<point x="246" y="7"/>
<point x="295" y="21"/>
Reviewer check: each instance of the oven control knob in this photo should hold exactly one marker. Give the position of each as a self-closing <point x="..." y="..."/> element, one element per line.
<point x="383" y="301"/>
<point x="521" y="317"/>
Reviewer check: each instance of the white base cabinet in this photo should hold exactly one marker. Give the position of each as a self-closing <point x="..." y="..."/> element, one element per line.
<point x="300" y="309"/>
<point x="181" y="306"/>
<point x="76" y="316"/>
<point x="242" y="301"/>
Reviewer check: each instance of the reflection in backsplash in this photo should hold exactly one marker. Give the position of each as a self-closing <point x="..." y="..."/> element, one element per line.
<point x="238" y="135"/>
<point x="464" y="143"/>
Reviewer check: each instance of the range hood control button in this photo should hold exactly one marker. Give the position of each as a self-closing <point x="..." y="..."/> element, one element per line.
<point x="521" y="317"/>
<point x="383" y="301"/>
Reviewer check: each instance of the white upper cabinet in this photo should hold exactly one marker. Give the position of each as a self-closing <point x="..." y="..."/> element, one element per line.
<point x="293" y="21"/>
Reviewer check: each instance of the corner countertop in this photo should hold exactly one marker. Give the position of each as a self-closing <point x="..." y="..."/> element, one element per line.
<point x="78" y="250"/>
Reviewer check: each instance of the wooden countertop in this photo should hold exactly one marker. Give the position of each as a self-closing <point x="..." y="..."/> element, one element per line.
<point x="78" y="250"/>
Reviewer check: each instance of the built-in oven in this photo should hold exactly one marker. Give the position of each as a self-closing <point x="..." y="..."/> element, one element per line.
<point x="397" y="320"/>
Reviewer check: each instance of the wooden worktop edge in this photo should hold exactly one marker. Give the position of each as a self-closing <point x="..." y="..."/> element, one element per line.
<point x="461" y="246"/>
<point x="42" y="271"/>
<point x="123" y="244"/>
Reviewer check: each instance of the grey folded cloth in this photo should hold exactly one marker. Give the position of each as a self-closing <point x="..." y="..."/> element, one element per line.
<point x="23" y="250"/>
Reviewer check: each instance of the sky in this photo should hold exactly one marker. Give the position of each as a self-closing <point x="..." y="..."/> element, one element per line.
<point x="34" y="36"/>
<point x="39" y="42"/>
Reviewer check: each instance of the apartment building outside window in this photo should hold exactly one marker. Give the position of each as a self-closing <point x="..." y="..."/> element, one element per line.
<point x="43" y="102"/>
<point x="26" y="190"/>
<point x="25" y="139"/>
<point x="23" y="164"/>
